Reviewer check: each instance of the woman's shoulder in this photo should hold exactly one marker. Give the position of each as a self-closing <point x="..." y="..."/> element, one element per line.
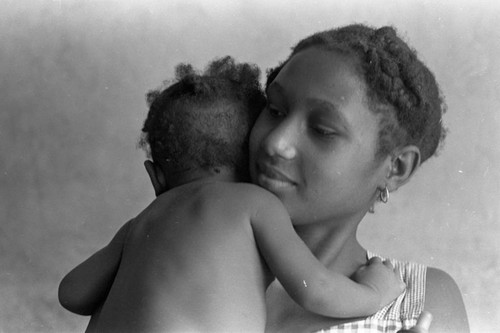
<point x="440" y="282"/>
<point x="412" y="273"/>
<point x="405" y="309"/>
<point x="435" y="291"/>
<point x="444" y="301"/>
<point x="431" y="289"/>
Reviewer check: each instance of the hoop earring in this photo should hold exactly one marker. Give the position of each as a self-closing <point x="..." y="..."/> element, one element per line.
<point x="384" y="195"/>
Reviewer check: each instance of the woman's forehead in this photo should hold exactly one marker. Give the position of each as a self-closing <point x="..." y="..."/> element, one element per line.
<point x="326" y="83"/>
<point x="319" y="74"/>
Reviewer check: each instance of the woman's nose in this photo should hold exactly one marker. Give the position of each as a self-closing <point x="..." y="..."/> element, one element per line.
<point x="281" y="142"/>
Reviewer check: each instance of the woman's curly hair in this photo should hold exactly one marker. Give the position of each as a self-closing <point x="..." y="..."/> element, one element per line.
<point x="203" y="120"/>
<point x="399" y="85"/>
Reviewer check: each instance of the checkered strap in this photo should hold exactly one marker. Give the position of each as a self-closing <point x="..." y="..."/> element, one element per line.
<point x="402" y="313"/>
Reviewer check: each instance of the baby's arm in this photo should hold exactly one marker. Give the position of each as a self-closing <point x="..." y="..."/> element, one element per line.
<point x="309" y="282"/>
<point x="84" y="289"/>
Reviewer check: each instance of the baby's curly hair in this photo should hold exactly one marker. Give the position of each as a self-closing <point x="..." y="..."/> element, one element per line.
<point x="204" y="120"/>
<point x="399" y="85"/>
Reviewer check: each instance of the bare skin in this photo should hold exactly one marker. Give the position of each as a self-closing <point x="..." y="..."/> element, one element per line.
<point x="318" y="131"/>
<point x="172" y="253"/>
<point x="189" y="262"/>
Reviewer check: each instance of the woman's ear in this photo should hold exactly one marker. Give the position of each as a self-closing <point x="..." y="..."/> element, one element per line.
<point x="405" y="162"/>
<point x="157" y="177"/>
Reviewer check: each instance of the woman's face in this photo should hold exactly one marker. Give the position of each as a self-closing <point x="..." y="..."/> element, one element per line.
<point x="314" y="144"/>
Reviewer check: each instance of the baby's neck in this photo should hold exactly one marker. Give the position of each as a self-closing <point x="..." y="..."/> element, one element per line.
<point x="222" y="174"/>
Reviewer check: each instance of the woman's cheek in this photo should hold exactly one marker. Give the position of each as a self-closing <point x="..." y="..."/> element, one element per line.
<point x="255" y="139"/>
<point x="257" y="135"/>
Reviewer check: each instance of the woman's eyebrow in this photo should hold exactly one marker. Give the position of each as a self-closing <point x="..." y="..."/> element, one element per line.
<point x="329" y="111"/>
<point x="275" y="87"/>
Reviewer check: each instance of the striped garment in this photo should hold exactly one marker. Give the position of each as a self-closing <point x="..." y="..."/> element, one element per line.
<point x="402" y="313"/>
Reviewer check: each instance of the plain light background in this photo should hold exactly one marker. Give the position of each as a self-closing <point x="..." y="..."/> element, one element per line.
<point x="73" y="75"/>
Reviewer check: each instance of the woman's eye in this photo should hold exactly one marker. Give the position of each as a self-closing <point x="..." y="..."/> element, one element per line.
<point x="324" y="131"/>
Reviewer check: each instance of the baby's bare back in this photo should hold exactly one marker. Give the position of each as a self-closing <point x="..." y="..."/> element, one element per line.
<point x="190" y="263"/>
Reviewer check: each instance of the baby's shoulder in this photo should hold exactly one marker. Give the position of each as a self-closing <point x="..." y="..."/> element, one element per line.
<point x="242" y="196"/>
<point x="236" y="191"/>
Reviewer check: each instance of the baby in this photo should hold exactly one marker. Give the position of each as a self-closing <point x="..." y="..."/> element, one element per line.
<point x="201" y="255"/>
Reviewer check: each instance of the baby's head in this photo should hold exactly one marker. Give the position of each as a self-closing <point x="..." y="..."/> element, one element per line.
<point x="203" y="120"/>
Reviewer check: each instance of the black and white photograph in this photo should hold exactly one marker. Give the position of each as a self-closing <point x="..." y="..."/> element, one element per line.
<point x="250" y="166"/>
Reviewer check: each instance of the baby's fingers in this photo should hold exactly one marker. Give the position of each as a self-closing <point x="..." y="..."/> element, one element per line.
<point x="422" y="326"/>
<point x="374" y="260"/>
<point x="424" y="322"/>
<point x="377" y="260"/>
<point x="388" y="264"/>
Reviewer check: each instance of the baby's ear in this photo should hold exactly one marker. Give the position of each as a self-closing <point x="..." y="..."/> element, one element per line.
<point x="157" y="177"/>
<point x="403" y="166"/>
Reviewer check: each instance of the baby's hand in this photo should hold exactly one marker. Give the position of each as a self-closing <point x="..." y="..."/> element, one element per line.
<point x="381" y="278"/>
<point x="423" y="324"/>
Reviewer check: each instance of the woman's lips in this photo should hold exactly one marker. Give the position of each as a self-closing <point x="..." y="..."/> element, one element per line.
<point x="273" y="179"/>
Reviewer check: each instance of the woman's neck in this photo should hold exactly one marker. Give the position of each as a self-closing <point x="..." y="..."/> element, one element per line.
<point x="336" y="246"/>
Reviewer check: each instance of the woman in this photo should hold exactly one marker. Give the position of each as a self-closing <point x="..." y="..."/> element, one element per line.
<point x="351" y="115"/>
